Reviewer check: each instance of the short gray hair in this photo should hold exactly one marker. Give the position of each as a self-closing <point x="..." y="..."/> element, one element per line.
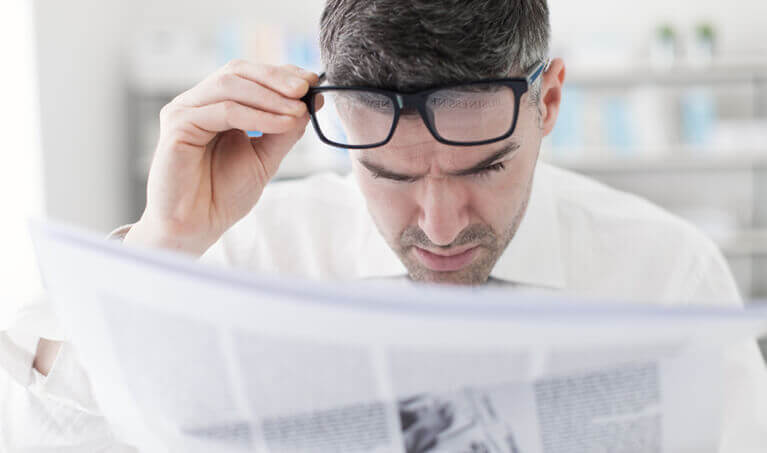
<point x="411" y="44"/>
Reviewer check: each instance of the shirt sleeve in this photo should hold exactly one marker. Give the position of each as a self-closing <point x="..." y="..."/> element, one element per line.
<point x="51" y="413"/>
<point x="745" y="417"/>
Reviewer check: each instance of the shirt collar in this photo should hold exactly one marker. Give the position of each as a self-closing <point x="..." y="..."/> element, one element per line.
<point x="533" y="257"/>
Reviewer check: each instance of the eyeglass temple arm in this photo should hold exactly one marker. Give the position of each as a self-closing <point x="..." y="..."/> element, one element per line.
<point x="543" y="67"/>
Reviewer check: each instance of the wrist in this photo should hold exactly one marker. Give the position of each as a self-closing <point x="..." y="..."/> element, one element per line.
<point x="149" y="234"/>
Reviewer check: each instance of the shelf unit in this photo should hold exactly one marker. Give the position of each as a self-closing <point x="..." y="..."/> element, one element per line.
<point x="728" y="185"/>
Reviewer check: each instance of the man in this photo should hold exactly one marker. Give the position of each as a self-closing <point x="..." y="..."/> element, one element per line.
<point x="446" y="185"/>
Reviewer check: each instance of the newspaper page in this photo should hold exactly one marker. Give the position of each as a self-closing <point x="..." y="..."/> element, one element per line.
<point x="184" y="357"/>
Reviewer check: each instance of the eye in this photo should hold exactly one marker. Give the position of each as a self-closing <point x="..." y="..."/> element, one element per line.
<point x="485" y="172"/>
<point x="391" y="177"/>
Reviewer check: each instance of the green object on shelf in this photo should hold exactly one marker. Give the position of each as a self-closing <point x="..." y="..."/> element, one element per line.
<point x="666" y="32"/>
<point x="705" y="31"/>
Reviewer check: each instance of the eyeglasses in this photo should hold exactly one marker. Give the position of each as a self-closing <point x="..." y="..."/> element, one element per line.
<point x="464" y="114"/>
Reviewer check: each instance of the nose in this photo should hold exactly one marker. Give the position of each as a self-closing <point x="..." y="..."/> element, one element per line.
<point x="444" y="211"/>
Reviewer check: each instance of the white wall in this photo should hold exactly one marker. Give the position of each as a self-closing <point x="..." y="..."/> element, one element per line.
<point x="203" y="14"/>
<point x="79" y="61"/>
<point x="21" y="171"/>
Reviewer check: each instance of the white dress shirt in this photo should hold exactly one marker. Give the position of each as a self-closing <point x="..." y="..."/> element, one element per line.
<point x="577" y="236"/>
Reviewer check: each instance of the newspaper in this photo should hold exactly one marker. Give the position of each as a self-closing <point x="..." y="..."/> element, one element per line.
<point x="184" y="357"/>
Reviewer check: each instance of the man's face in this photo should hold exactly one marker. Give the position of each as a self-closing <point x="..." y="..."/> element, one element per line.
<point x="449" y="212"/>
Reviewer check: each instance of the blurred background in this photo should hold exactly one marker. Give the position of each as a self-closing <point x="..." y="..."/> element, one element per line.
<point x="664" y="99"/>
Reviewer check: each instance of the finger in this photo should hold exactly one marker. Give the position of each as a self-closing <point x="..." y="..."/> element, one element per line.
<point x="312" y="77"/>
<point x="231" y="87"/>
<point x="273" y="147"/>
<point x="284" y="139"/>
<point x="222" y="116"/>
<point x="281" y="79"/>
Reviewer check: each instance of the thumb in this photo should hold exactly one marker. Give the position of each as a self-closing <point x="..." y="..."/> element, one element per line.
<point x="272" y="148"/>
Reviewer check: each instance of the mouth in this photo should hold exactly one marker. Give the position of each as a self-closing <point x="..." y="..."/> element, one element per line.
<point x="446" y="261"/>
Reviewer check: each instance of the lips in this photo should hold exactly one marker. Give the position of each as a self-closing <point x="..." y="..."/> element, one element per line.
<point x="445" y="262"/>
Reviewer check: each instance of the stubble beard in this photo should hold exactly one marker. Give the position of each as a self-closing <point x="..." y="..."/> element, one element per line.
<point x="490" y="247"/>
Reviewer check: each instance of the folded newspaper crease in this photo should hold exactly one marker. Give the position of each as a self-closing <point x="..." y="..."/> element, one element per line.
<point x="184" y="357"/>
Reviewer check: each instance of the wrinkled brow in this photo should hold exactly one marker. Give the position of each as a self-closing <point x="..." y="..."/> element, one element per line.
<point x="382" y="172"/>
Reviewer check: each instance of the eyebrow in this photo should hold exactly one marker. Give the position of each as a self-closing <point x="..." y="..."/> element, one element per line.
<point x="381" y="172"/>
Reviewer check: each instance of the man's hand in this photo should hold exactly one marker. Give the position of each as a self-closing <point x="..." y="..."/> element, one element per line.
<point x="46" y="353"/>
<point x="207" y="173"/>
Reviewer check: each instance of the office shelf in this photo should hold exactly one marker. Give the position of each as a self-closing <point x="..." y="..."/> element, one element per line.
<point x="732" y="70"/>
<point x="667" y="159"/>
<point x="745" y="243"/>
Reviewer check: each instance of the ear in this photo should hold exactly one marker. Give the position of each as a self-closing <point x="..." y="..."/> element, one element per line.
<point x="551" y="94"/>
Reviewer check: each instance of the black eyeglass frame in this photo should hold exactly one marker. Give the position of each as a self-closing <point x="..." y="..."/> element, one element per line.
<point x="417" y="100"/>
